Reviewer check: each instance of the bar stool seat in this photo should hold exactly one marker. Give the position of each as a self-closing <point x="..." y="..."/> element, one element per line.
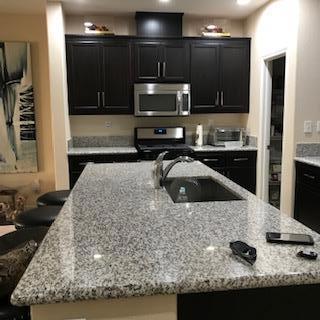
<point x="53" y="198"/>
<point x="42" y="216"/>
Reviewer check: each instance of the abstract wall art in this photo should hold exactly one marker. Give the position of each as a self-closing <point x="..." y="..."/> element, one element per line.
<point x="18" y="146"/>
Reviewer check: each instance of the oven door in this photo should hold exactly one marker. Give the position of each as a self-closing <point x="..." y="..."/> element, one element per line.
<point x="157" y="103"/>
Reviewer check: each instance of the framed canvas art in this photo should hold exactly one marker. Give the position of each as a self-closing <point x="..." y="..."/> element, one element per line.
<point x="18" y="146"/>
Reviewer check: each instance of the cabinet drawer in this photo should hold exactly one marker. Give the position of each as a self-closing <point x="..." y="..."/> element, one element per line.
<point x="308" y="175"/>
<point x="212" y="160"/>
<point x="241" y="159"/>
<point x="78" y="163"/>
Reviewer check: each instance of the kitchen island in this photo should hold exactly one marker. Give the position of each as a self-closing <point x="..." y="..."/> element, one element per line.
<point x="118" y="237"/>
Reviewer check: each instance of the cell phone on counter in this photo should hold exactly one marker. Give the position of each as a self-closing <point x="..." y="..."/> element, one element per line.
<point x="289" y="238"/>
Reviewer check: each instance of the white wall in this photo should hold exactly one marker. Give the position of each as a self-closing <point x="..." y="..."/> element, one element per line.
<point x="126" y="25"/>
<point x="58" y="92"/>
<point x="274" y="28"/>
<point x="308" y="70"/>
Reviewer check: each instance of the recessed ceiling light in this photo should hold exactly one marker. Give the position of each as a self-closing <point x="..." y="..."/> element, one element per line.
<point x="243" y="2"/>
<point x="164" y="1"/>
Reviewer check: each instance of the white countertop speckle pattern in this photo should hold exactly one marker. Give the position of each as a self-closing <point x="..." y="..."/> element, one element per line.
<point x="117" y="236"/>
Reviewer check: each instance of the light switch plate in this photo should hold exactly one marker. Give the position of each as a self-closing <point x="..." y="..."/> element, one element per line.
<point x="318" y="126"/>
<point x="307" y="126"/>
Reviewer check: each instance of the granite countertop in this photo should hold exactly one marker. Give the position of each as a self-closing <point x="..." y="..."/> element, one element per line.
<point x="77" y="151"/>
<point x="314" y="161"/>
<point x="117" y="236"/>
<point x="208" y="148"/>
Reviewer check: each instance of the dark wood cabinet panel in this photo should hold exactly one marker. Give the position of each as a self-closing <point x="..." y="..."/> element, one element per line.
<point x="234" y="77"/>
<point x="307" y="196"/>
<point x="84" y="77"/>
<point x="220" y="72"/>
<point x="99" y="76"/>
<point x="101" y="72"/>
<point x="239" y="167"/>
<point x="117" y="84"/>
<point x="204" y="77"/>
<point x="148" y="61"/>
<point x="175" y="61"/>
<point x="244" y="176"/>
<point x="162" y="61"/>
<point x="77" y="163"/>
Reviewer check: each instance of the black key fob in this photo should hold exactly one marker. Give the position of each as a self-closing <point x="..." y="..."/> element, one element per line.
<point x="310" y="255"/>
<point x="244" y="251"/>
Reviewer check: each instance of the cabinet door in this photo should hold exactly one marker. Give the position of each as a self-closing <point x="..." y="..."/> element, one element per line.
<point x="245" y="177"/>
<point x="148" y="61"/>
<point x="204" y="77"/>
<point x="117" y="85"/>
<point x="306" y="206"/>
<point x="234" y="77"/>
<point x="84" y="78"/>
<point x="175" y="61"/>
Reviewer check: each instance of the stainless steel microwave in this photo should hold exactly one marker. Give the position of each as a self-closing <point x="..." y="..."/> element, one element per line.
<point x="161" y="99"/>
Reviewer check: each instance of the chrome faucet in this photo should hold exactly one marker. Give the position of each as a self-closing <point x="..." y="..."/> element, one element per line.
<point x="160" y="174"/>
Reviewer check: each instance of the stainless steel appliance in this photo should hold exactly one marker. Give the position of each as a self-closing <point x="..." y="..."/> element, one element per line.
<point x="162" y="99"/>
<point x="220" y="136"/>
<point x="150" y="142"/>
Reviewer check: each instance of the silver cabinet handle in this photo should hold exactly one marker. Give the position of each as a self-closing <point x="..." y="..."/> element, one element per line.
<point x="222" y="98"/>
<point x="309" y="176"/>
<point x="217" y="99"/>
<point x="83" y="164"/>
<point x="164" y="69"/>
<point x="159" y="70"/>
<point x="210" y="160"/>
<point x="98" y="95"/>
<point x="103" y="99"/>
<point x="240" y="159"/>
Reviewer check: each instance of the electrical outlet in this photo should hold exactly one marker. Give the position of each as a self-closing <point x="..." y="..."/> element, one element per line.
<point x="108" y="124"/>
<point x="318" y="126"/>
<point x="307" y="126"/>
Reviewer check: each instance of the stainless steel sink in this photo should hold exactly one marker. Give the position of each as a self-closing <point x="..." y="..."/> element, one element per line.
<point x="198" y="189"/>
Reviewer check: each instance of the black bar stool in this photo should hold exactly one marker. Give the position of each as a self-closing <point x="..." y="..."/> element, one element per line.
<point x="53" y="198"/>
<point x="42" y="216"/>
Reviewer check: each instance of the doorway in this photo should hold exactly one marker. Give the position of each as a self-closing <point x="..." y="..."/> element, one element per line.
<point x="272" y="126"/>
<point x="276" y="130"/>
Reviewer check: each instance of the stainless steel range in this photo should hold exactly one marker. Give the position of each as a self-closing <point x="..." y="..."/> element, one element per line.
<point x="150" y="142"/>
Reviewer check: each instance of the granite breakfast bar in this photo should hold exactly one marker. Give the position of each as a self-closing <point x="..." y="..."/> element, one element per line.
<point x="122" y="250"/>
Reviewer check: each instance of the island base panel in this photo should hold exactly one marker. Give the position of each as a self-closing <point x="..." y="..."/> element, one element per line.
<point x="136" y="308"/>
<point x="285" y="303"/>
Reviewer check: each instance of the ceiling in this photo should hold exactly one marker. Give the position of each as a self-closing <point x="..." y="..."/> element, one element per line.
<point x="216" y="8"/>
<point x="22" y="6"/>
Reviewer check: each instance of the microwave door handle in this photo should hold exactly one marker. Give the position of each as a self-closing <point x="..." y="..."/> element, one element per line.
<point x="179" y="103"/>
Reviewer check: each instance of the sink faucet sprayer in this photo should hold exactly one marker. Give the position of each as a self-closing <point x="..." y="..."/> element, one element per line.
<point x="160" y="174"/>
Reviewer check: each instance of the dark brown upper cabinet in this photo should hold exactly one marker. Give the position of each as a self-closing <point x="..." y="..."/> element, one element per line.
<point x="99" y="76"/>
<point x="162" y="61"/>
<point x="220" y="75"/>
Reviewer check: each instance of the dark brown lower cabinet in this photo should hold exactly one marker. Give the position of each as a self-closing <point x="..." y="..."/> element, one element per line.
<point x="285" y="303"/>
<point x="78" y="163"/>
<point x="307" y="209"/>
<point x="239" y="167"/>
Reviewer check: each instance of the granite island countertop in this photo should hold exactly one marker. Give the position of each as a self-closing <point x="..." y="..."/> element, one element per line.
<point x="313" y="161"/>
<point x="117" y="236"/>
